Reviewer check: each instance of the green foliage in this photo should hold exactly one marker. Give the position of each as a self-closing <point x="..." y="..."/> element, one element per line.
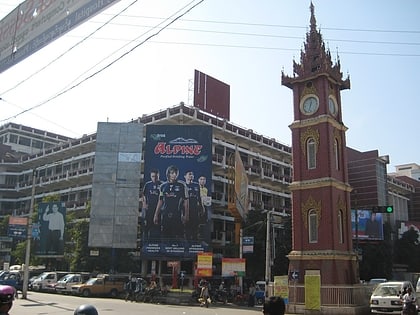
<point x="256" y="226"/>
<point x="4" y="224"/>
<point x="407" y="250"/>
<point x="376" y="262"/>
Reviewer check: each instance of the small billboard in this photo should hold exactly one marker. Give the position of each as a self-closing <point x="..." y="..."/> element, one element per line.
<point x="18" y="227"/>
<point x="367" y="226"/>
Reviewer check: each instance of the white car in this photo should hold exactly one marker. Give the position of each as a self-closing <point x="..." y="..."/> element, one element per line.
<point x="385" y="299"/>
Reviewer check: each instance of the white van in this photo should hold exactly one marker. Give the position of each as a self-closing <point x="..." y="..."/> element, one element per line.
<point x="418" y="286"/>
<point x="65" y="283"/>
<point x="47" y="280"/>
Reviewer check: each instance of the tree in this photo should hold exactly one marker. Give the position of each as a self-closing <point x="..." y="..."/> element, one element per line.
<point x="407" y="250"/>
<point x="256" y="225"/>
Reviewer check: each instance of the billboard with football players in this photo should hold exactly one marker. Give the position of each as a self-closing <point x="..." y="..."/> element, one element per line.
<point x="176" y="192"/>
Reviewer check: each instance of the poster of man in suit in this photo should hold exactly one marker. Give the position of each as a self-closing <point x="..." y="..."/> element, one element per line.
<point x="51" y="222"/>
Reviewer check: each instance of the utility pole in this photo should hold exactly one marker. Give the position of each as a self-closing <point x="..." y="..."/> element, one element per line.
<point x="28" y="239"/>
<point x="267" y="253"/>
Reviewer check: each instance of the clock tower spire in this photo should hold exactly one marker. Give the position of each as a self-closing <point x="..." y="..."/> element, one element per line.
<point x="322" y="235"/>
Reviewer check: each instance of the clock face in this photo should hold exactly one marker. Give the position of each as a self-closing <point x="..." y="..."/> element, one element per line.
<point x="332" y="106"/>
<point x="310" y="105"/>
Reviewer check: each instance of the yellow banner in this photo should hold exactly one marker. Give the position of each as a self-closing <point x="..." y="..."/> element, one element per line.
<point x="281" y="287"/>
<point x="312" y="292"/>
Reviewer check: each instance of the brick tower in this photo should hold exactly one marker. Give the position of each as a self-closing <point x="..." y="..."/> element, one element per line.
<point x="322" y="236"/>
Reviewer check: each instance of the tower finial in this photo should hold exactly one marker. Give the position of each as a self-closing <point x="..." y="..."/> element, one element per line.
<point x="313" y="20"/>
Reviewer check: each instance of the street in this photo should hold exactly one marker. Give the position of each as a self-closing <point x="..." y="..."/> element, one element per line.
<point x="44" y="303"/>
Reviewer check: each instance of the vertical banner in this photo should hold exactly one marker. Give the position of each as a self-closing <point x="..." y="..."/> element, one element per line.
<point x="312" y="292"/>
<point x="204" y="264"/>
<point x="241" y="186"/>
<point x="176" y="191"/>
<point x="281" y="287"/>
<point x="52" y="222"/>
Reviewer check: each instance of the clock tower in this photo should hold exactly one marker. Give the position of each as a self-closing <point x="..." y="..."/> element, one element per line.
<point x="322" y="235"/>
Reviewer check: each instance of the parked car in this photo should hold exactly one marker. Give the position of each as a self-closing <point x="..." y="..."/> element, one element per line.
<point x="386" y="298"/>
<point x="12" y="278"/>
<point x="372" y="283"/>
<point x="47" y="280"/>
<point x="375" y="281"/>
<point x="30" y="281"/>
<point x="418" y="286"/>
<point x="103" y="285"/>
<point x="64" y="284"/>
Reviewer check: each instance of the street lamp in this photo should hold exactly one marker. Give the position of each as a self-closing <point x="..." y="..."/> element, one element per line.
<point x="268" y="246"/>
<point x="28" y="239"/>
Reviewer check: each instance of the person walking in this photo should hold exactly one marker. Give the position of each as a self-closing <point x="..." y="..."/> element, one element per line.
<point x="205" y="295"/>
<point x="251" y="295"/>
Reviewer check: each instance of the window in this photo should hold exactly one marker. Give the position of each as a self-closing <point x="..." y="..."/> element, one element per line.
<point x="336" y="154"/>
<point x="313" y="226"/>
<point x="37" y="144"/>
<point x="311" y="150"/>
<point x="25" y="141"/>
<point x="13" y="138"/>
<point x="340" y="227"/>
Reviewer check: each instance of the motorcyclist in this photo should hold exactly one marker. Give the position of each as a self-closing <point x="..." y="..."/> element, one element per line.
<point x="86" y="309"/>
<point x="409" y="300"/>
<point x="7" y="295"/>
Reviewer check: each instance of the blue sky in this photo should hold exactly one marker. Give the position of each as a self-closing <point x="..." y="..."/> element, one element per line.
<point x="243" y="43"/>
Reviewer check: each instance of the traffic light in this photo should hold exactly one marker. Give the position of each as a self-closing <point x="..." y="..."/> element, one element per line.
<point x="389" y="209"/>
<point x="383" y="209"/>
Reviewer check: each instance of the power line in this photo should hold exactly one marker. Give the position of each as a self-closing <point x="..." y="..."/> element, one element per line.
<point x="271" y="36"/>
<point x="282" y="26"/>
<point x="68" y="50"/>
<point x="112" y="62"/>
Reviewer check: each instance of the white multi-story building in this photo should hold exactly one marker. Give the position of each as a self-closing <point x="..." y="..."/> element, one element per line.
<point x="65" y="167"/>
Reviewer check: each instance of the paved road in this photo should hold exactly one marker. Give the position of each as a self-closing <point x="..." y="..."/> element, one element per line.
<point x="55" y="304"/>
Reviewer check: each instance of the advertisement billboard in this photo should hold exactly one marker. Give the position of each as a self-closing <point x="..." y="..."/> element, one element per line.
<point x="233" y="267"/>
<point x="52" y="221"/>
<point x="18" y="227"/>
<point x="176" y="191"/>
<point x="35" y="24"/>
<point x="369" y="225"/>
<point x="211" y="95"/>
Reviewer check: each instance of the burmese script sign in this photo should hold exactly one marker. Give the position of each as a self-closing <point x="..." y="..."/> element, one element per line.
<point x="36" y="23"/>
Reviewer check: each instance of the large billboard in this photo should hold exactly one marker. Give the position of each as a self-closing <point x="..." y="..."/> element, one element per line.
<point x="211" y="95"/>
<point x="52" y="221"/>
<point x="176" y="191"/>
<point x="36" y="23"/>
<point x="368" y="226"/>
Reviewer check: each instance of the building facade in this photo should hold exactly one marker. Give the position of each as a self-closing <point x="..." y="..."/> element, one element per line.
<point x="66" y="169"/>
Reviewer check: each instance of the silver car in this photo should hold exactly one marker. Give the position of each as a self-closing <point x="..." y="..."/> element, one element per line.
<point x="385" y="299"/>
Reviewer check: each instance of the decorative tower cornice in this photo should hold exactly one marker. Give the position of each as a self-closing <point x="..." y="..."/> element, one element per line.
<point x="315" y="60"/>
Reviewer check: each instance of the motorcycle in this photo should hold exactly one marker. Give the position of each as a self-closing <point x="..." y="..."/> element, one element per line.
<point x="220" y="295"/>
<point x="409" y="308"/>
